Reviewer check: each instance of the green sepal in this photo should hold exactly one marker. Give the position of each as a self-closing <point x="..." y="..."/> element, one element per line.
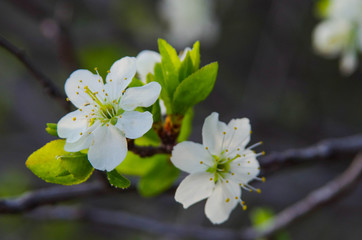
<point x="170" y="63"/>
<point x="155" y="109"/>
<point x="117" y="180"/>
<point x="186" y="67"/>
<point x="52" y="129"/>
<point x="54" y="165"/>
<point x="186" y="126"/>
<point x="160" y="178"/>
<point x="195" y="88"/>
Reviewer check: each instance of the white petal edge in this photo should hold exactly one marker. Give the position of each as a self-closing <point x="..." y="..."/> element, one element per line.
<point x="108" y="148"/>
<point x="143" y="96"/>
<point x="135" y="124"/>
<point x="191" y="157"/>
<point x="194" y="188"/>
<point x="73" y="125"/>
<point x="212" y="133"/>
<point x="83" y="142"/>
<point x="146" y="61"/>
<point x="217" y="207"/>
<point x="74" y="86"/>
<point x="120" y="76"/>
<point x="237" y="134"/>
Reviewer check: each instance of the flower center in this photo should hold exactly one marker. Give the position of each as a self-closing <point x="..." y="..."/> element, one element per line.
<point x="108" y="112"/>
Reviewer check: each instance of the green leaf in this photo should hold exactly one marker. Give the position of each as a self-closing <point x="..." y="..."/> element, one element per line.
<point x="195" y="56"/>
<point x="136" y="83"/>
<point x="186" y="126"/>
<point x="149" y="139"/>
<point x="186" y="67"/>
<point x="322" y="7"/>
<point x="135" y="165"/>
<point x="195" y="88"/>
<point x="170" y="63"/>
<point x="52" y="129"/>
<point x="77" y="164"/>
<point x="160" y="178"/>
<point x="117" y="180"/>
<point x="52" y="164"/>
<point x="158" y="77"/>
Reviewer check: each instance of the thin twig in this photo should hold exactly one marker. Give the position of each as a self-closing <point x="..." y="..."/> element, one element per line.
<point x="48" y="85"/>
<point x="320" y="197"/>
<point x="144" y="151"/>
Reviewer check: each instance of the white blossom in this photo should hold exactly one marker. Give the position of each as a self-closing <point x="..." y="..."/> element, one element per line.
<point x="218" y="169"/>
<point x="106" y="113"/>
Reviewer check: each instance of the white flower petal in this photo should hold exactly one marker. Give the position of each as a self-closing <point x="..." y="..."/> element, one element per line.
<point x="74" y="86"/>
<point x="143" y="96"/>
<point x="73" y="125"/>
<point x="135" y="124"/>
<point x="191" y="157"/>
<point x="83" y="142"/>
<point x="108" y="148"/>
<point x="146" y="61"/>
<point x="348" y="62"/>
<point x="120" y="76"/>
<point x="222" y="201"/>
<point x="212" y="133"/>
<point x="194" y="188"/>
<point x="237" y="134"/>
<point x="245" y="168"/>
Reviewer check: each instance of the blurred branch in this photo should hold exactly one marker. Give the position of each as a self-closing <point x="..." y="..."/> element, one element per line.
<point x="320" y="197"/>
<point x="48" y="85"/>
<point x="130" y="221"/>
<point x="326" y="149"/>
<point x="55" y="26"/>
<point x="31" y="200"/>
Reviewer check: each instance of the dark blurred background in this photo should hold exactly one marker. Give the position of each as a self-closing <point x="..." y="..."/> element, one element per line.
<point x="268" y="72"/>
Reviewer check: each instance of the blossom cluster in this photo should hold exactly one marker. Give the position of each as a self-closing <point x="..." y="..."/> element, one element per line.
<point x="340" y="33"/>
<point x="111" y="112"/>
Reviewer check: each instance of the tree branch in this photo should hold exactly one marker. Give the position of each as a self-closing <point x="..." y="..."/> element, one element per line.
<point x="320" y="197"/>
<point x="31" y="200"/>
<point x="326" y="149"/>
<point x="48" y="85"/>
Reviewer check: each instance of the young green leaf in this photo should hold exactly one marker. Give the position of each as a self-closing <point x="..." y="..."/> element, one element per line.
<point x="186" y="67"/>
<point x="117" y="180"/>
<point x="195" y="88"/>
<point x="51" y="164"/>
<point x="195" y="56"/>
<point x="170" y="63"/>
<point x="159" y="179"/>
<point x="158" y="77"/>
